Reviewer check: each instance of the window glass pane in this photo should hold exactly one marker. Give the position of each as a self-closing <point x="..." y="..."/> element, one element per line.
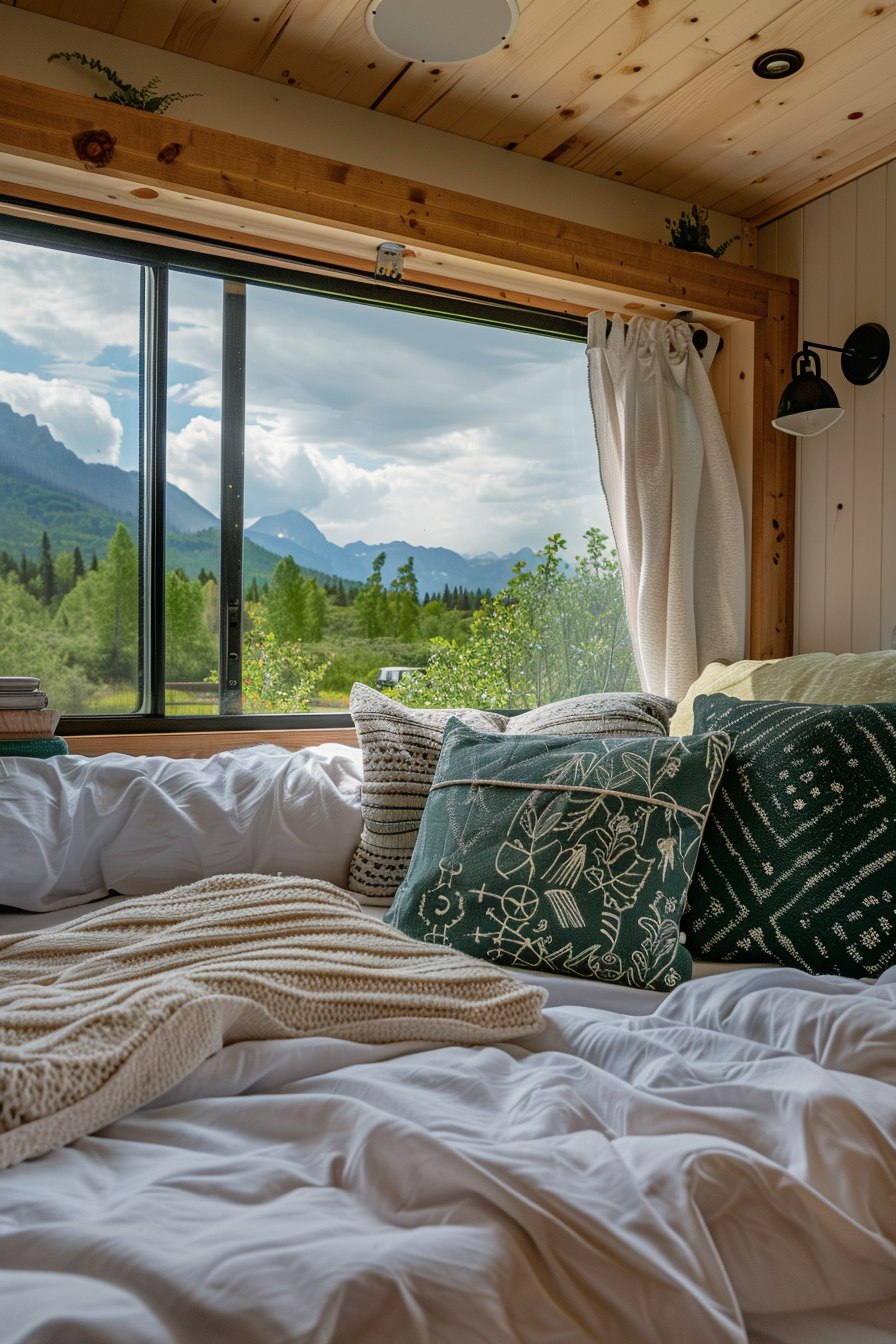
<point x="69" y="486"/>
<point x="194" y="494"/>
<point x="409" y="480"/>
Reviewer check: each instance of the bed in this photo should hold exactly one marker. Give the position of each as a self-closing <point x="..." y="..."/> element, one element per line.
<point x="710" y="1164"/>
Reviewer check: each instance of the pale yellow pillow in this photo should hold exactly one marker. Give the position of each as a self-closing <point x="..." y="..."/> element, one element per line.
<point x="810" y="678"/>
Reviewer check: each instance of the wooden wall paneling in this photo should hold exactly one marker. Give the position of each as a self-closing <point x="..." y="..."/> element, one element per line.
<point x="297" y="41"/>
<point x="240" y="34"/>
<point x="813" y="453"/>
<point x="559" y="119"/>
<point x="100" y="14"/>
<point x="550" y="39"/>
<point x="808" y="186"/>
<point x="868" y="462"/>
<point x="195" y="24"/>
<point x="729" y="120"/>
<point x="672" y="71"/>
<point x="767" y="243"/>
<point x="790" y="245"/>
<point x="673" y="137"/>
<point x="789" y="261"/>
<point x="841" y="437"/>
<point x="344" y="64"/>
<point x="202" y="745"/>
<point x="888" y="474"/>
<point x="774" y="475"/>
<point x="50" y="8"/>
<point x="834" y="140"/>
<point x="149" y="23"/>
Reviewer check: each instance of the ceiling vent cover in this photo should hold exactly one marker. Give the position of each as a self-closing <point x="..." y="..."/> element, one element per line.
<point x="442" y="31"/>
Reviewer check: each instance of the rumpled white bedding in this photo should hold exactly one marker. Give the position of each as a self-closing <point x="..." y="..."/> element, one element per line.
<point x="74" y="827"/>
<point x="721" y="1170"/>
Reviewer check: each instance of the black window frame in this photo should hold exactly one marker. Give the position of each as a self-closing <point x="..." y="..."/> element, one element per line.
<point x="159" y="253"/>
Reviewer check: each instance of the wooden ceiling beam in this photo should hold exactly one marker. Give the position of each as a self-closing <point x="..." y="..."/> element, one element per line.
<point x="40" y="122"/>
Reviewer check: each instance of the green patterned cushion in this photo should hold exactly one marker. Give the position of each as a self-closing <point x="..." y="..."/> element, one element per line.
<point x="798" y="863"/>
<point x="570" y="855"/>
<point x="400" y="749"/>
<point x="41" y="747"/>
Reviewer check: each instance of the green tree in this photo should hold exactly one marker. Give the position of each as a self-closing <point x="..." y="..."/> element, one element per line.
<point x="47" y="578"/>
<point x="31" y="645"/>
<point x="190" y="647"/>
<point x="63" y="573"/>
<point x="404" y="602"/>
<point x="554" y="632"/>
<point x="295" y="607"/>
<point x="78" y="563"/>
<point x="278" y="677"/>
<point x="100" y="615"/>
<point x="372" y="603"/>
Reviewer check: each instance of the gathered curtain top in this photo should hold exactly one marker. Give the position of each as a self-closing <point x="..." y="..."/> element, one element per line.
<point x="652" y="341"/>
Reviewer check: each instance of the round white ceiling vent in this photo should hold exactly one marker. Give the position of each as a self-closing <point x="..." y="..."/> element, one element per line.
<point x="442" y="31"/>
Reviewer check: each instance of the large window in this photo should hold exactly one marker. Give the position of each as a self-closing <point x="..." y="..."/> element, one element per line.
<point x="232" y="489"/>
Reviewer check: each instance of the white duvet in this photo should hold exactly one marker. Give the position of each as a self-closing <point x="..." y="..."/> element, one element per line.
<point x="721" y="1170"/>
<point x="74" y="827"/>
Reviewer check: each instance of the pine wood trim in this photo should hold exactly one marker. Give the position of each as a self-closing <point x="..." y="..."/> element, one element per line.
<point x="774" y="487"/>
<point x="40" y="123"/>
<point x="183" y="232"/>
<point x="201" y="745"/>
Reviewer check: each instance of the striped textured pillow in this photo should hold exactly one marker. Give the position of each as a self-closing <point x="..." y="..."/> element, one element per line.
<point x="400" y="750"/>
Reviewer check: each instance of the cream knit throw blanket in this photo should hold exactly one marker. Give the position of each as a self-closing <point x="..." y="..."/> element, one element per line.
<point x="105" y="1013"/>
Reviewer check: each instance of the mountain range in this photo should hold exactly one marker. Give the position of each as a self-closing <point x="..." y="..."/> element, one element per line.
<point x="292" y="533"/>
<point x="45" y="486"/>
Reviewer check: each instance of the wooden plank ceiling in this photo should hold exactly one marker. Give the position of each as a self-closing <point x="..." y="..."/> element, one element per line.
<point x="659" y="94"/>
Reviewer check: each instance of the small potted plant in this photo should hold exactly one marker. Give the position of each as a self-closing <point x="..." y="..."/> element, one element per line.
<point x="147" y="99"/>
<point x="691" y="233"/>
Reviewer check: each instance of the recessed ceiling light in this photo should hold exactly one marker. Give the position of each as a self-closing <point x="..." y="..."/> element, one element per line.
<point x="441" y="30"/>
<point x="777" y="64"/>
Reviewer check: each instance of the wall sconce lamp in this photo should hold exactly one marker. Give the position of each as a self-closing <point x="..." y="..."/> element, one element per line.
<point x="808" y="404"/>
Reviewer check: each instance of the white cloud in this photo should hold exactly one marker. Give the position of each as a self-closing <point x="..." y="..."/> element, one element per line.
<point x="194" y="461"/>
<point x="68" y="307"/>
<point x="77" y="417"/>
<point x="280" y="473"/>
<point x="468" y="494"/>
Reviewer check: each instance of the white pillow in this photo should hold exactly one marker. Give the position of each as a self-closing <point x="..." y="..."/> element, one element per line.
<point x="74" y="827"/>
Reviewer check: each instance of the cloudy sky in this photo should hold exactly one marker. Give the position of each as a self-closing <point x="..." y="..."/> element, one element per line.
<point x="378" y="425"/>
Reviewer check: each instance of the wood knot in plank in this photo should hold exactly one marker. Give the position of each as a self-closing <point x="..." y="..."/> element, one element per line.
<point x="168" y="153"/>
<point x="94" y="148"/>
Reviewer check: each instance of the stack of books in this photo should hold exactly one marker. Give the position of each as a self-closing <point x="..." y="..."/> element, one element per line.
<point x="24" y="710"/>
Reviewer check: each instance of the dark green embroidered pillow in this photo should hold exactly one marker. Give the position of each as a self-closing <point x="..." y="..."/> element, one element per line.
<point x="570" y="855"/>
<point x="798" y="863"/>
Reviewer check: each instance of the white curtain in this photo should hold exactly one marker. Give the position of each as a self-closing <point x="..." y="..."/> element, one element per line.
<point x="667" y="474"/>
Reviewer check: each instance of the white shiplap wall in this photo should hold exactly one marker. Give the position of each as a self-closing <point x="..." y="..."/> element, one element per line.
<point x="842" y="249"/>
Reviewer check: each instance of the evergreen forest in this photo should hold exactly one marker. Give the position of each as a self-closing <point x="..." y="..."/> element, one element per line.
<point x="556" y="629"/>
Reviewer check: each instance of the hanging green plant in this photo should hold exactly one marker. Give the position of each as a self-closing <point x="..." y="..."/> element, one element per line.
<point x="147" y="99"/>
<point x="691" y="233"/>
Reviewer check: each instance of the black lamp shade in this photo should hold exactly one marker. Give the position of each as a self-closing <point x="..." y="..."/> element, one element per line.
<point x="808" y="404"/>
